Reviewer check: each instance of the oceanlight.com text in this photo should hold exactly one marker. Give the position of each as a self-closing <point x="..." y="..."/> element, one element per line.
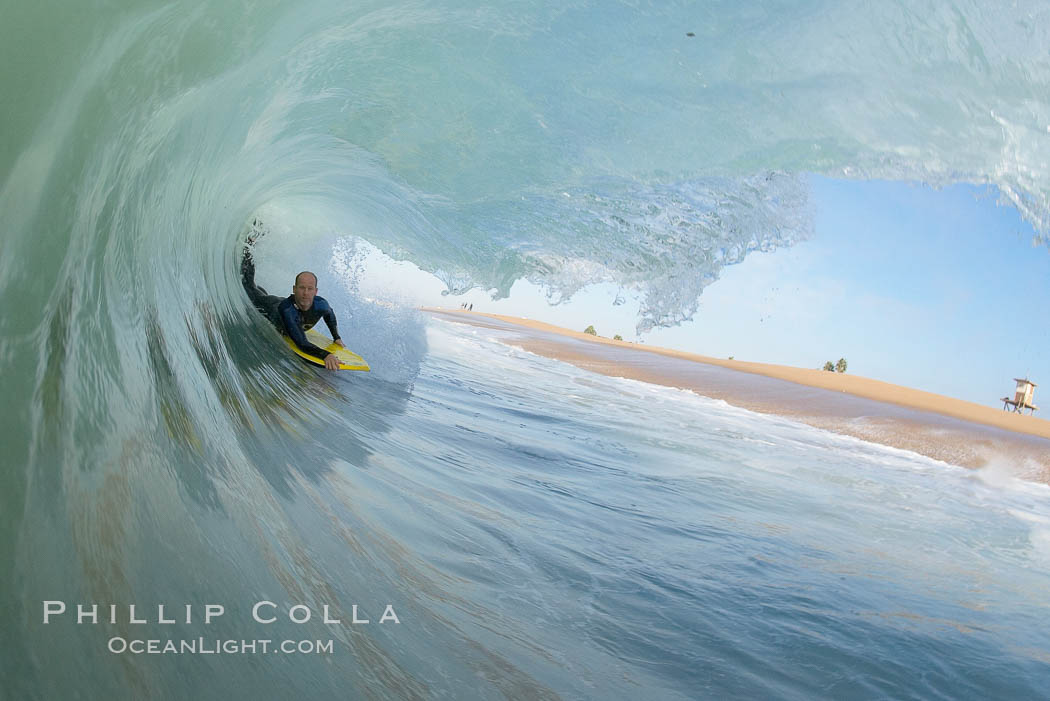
<point x="205" y="646"/>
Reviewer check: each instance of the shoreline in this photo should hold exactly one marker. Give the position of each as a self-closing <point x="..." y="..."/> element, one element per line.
<point x="940" y="427"/>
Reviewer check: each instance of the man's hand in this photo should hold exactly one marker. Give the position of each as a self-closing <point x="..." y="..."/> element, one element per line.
<point x="339" y="342"/>
<point x="331" y="361"/>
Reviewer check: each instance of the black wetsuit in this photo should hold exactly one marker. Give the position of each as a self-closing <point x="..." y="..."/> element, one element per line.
<point x="284" y="315"/>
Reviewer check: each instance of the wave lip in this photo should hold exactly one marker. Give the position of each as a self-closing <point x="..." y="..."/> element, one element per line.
<point x="562" y="145"/>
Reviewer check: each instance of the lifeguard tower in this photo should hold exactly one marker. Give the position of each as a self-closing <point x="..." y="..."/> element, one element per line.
<point x="1022" y="397"/>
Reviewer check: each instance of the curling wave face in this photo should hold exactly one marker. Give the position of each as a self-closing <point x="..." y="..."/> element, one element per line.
<point x="565" y="144"/>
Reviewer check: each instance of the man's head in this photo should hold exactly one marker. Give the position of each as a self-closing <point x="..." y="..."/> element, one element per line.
<point x="304" y="289"/>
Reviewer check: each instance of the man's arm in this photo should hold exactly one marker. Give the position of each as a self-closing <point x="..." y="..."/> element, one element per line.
<point x="329" y="319"/>
<point x="290" y="319"/>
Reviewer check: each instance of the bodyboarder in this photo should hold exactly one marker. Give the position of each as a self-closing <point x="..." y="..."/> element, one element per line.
<point x="294" y="314"/>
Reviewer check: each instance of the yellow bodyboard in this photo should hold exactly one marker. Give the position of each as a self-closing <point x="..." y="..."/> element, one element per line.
<point x="347" y="360"/>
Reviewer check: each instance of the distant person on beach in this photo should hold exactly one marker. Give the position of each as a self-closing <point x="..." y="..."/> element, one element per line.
<point x="294" y="314"/>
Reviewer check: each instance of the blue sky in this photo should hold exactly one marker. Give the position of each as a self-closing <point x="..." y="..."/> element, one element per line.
<point x="942" y="290"/>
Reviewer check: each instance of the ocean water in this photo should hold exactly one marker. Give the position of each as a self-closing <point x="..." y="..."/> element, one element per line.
<point x="510" y="527"/>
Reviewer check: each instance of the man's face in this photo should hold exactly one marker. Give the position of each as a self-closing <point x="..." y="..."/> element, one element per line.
<point x="304" y="291"/>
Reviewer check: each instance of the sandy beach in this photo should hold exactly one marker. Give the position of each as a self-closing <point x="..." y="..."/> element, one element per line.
<point x="940" y="427"/>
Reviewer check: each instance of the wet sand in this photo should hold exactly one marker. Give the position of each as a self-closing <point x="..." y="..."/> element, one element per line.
<point x="943" y="428"/>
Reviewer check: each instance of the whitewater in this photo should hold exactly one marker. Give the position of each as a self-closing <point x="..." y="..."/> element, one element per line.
<point x="539" y="531"/>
